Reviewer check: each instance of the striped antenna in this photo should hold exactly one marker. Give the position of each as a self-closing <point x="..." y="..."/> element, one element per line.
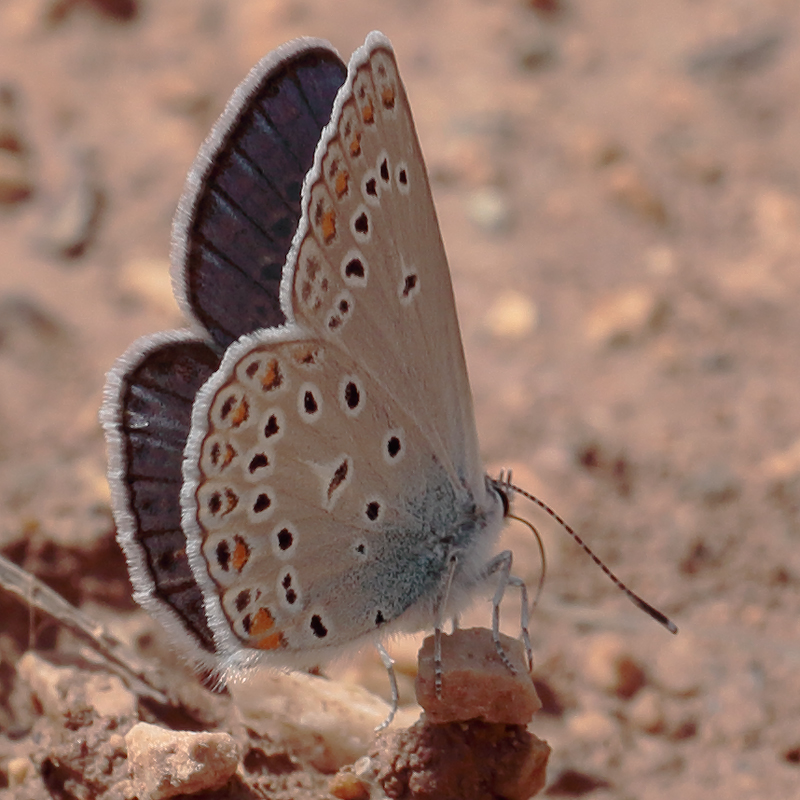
<point x="504" y="482"/>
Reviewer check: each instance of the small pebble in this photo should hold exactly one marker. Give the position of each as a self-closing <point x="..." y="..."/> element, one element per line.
<point x="120" y="10"/>
<point x="16" y="182"/>
<point x="512" y="315"/>
<point x="61" y="690"/>
<point x="547" y="8"/>
<point x="784" y="464"/>
<point x="49" y="684"/>
<point x="18" y="771"/>
<point x="792" y="755"/>
<point x="572" y="783"/>
<point x="777" y="218"/>
<point x="610" y="668"/>
<point x="489" y="209"/>
<point x="346" y="785"/>
<point x="72" y="221"/>
<point x="15" y="179"/>
<point x="747" y="51"/>
<point x="123" y="10"/>
<point x="476" y="684"/>
<point x="10" y="137"/>
<point x="624" y="317"/>
<point x="629" y="188"/>
<point x="168" y="763"/>
<point x="592" y="726"/>
<point x="471" y="760"/>
<point x="646" y="712"/>
<point x="715" y="485"/>
<point x="593" y="149"/>
<point x="536" y="54"/>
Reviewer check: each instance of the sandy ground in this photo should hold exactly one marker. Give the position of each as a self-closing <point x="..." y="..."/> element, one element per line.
<point x="618" y="187"/>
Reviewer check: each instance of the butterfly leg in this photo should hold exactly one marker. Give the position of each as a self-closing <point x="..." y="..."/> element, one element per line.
<point x="441" y="604"/>
<point x="501" y="564"/>
<point x="388" y="662"/>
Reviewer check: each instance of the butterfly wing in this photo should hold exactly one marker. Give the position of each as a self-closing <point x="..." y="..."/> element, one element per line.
<point x="241" y="205"/>
<point x="371" y="272"/>
<point x="234" y="226"/>
<point x="332" y="467"/>
<point x="146" y="416"/>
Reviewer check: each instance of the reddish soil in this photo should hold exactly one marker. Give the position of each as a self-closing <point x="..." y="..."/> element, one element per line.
<point x="618" y="187"/>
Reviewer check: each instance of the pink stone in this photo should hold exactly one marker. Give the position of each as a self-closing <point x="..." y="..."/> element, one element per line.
<point x="476" y="684"/>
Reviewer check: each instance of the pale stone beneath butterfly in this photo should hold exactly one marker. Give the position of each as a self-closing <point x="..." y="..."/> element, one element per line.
<point x="166" y="763"/>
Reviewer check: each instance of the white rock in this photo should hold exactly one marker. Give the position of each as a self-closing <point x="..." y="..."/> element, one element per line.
<point x="18" y="771"/>
<point x="592" y="726"/>
<point x="489" y="210"/>
<point x="623" y="317"/>
<point x="331" y="723"/>
<point x="167" y="763"/>
<point x="512" y="315"/>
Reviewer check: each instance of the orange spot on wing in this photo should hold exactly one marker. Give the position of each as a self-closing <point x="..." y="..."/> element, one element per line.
<point x="262" y="622"/>
<point x="221" y="455"/>
<point x="240" y="413"/>
<point x="368" y="113"/>
<point x="232" y="498"/>
<point x="230" y="454"/>
<point x="355" y="145"/>
<point x="342" y="182"/>
<point x="272" y="376"/>
<point x="387" y="97"/>
<point x="328" y="225"/>
<point x="241" y="554"/>
<point x="271" y="642"/>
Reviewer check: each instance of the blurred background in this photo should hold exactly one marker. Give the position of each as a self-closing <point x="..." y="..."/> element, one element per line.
<point x="618" y="186"/>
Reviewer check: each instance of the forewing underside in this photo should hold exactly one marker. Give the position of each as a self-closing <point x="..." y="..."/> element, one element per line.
<point x="371" y="274"/>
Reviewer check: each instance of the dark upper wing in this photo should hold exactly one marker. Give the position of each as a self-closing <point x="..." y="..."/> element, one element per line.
<point x="232" y="232"/>
<point x="241" y="204"/>
<point x="146" y="416"/>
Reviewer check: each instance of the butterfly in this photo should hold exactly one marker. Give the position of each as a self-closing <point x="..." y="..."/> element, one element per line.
<point x="298" y="473"/>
